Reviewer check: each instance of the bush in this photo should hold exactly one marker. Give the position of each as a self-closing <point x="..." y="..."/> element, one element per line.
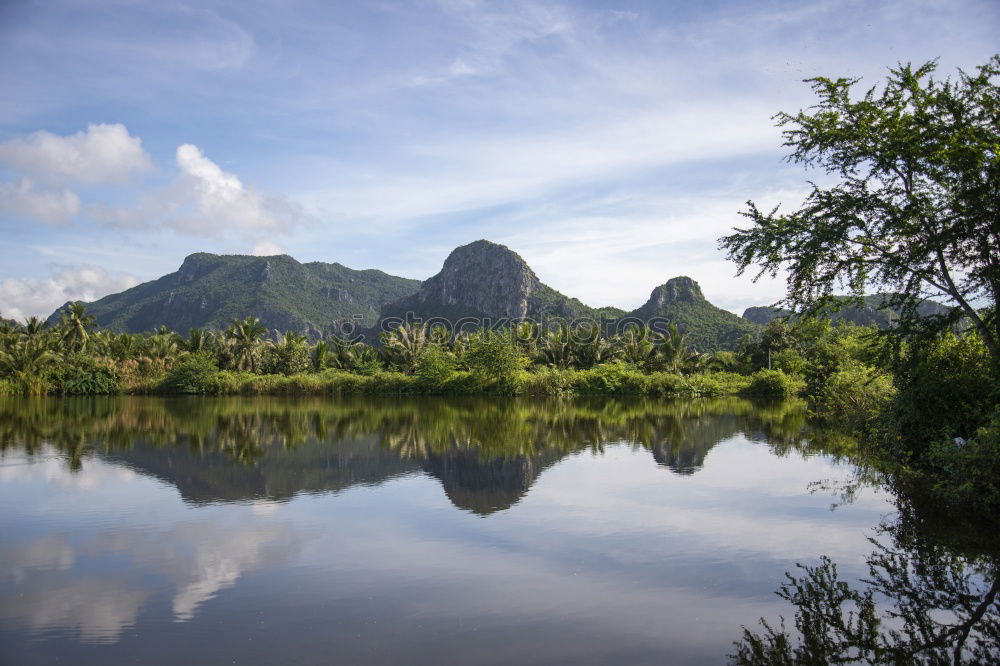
<point x="85" y="375"/>
<point x="968" y="475"/>
<point x="612" y="378"/>
<point x="493" y="357"/>
<point x="854" y="396"/>
<point x="548" y="381"/>
<point x="774" y="383"/>
<point x="8" y="387"/>
<point x="286" y="359"/>
<point x="789" y="361"/>
<point x="945" y="390"/>
<point x="717" y="383"/>
<point x="195" y="374"/>
<point x="434" y="367"/>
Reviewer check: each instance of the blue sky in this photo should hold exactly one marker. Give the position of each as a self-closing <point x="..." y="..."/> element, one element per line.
<point x="609" y="143"/>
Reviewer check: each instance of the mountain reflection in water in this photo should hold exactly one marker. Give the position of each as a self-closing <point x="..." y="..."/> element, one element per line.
<point x="465" y="531"/>
<point x="485" y="452"/>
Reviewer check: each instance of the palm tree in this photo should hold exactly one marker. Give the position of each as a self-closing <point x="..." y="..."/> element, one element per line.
<point x="589" y="346"/>
<point x="123" y="347"/>
<point x="673" y="349"/>
<point x="246" y="337"/>
<point x="526" y="336"/>
<point x="636" y="348"/>
<point x="556" y="347"/>
<point x="163" y="348"/>
<point x="26" y="361"/>
<point x="197" y="340"/>
<point x="34" y="326"/>
<point x="76" y="325"/>
<point x="402" y="345"/>
<point x="319" y="355"/>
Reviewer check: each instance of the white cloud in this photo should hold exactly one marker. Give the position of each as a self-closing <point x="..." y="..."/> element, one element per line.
<point x="50" y="206"/>
<point x="205" y="200"/>
<point x="266" y="248"/>
<point x="22" y="297"/>
<point x="101" y="154"/>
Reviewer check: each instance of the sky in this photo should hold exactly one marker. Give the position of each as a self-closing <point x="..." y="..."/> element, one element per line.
<point x="609" y="143"/>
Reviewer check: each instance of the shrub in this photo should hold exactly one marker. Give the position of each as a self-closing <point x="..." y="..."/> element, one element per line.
<point x="548" y="381"/>
<point x="854" y="396"/>
<point x="195" y="374"/>
<point x="434" y="367"/>
<point x="774" y="383"/>
<point x="612" y="378"/>
<point x="789" y="361"/>
<point x="494" y="357"/>
<point x="968" y="475"/>
<point x="85" y="375"/>
<point x="717" y="383"/>
<point x="945" y="390"/>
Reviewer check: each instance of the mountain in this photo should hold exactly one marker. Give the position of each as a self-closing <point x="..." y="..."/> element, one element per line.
<point x="486" y="280"/>
<point x="874" y="312"/>
<point x="210" y="290"/>
<point x="680" y="301"/>
<point x="482" y="280"/>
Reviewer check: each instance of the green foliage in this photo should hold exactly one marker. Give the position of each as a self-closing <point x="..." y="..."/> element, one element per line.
<point x="195" y="374"/>
<point x="84" y="375"/>
<point x="434" y="367"/>
<point x="245" y="342"/>
<point x="774" y="383"/>
<point x="612" y="378"/>
<point x="946" y="390"/>
<point x="289" y="356"/>
<point x="493" y="357"/>
<point x="25" y="360"/>
<point x="853" y="396"/>
<point x="968" y="474"/>
<point x="403" y="346"/>
<point x="913" y="208"/>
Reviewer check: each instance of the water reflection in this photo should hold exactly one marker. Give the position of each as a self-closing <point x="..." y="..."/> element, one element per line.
<point x="180" y="530"/>
<point x="926" y="599"/>
<point x="485" y="452"/>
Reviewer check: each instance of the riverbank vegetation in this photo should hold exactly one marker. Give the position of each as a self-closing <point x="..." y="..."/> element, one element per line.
<point x="75" y="358"/>
<point x="907" y="205"/>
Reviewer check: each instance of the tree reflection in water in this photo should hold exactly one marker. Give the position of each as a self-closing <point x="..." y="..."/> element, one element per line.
<point x="928" y="598"/>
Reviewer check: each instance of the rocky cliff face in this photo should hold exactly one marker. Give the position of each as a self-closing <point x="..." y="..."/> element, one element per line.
<point x="680" y="301"/>
<point x="486" y="280"/>
<point x="680" y="289"/>
<point x="483" y="276"/>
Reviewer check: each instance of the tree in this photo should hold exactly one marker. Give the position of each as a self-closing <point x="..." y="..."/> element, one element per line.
<point x="76" y="326"/>
<point x="673" y="349"/>
<point x="26" y="361"/>
<point x="245" y="337"/>
<point x="915" y="206"/>
<point x="402" y="346"/>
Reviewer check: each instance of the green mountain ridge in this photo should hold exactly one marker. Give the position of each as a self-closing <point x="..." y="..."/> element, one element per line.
<point x="680" y="301"/>
<point x="874" y="312"/>
<point x="483" y="282"/>
<point x="210" y="290"/>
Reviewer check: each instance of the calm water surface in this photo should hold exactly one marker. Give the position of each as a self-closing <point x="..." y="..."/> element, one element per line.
<point x="437" y="531"/>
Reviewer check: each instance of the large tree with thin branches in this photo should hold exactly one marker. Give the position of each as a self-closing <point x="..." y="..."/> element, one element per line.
<point x="909" y="202"/>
